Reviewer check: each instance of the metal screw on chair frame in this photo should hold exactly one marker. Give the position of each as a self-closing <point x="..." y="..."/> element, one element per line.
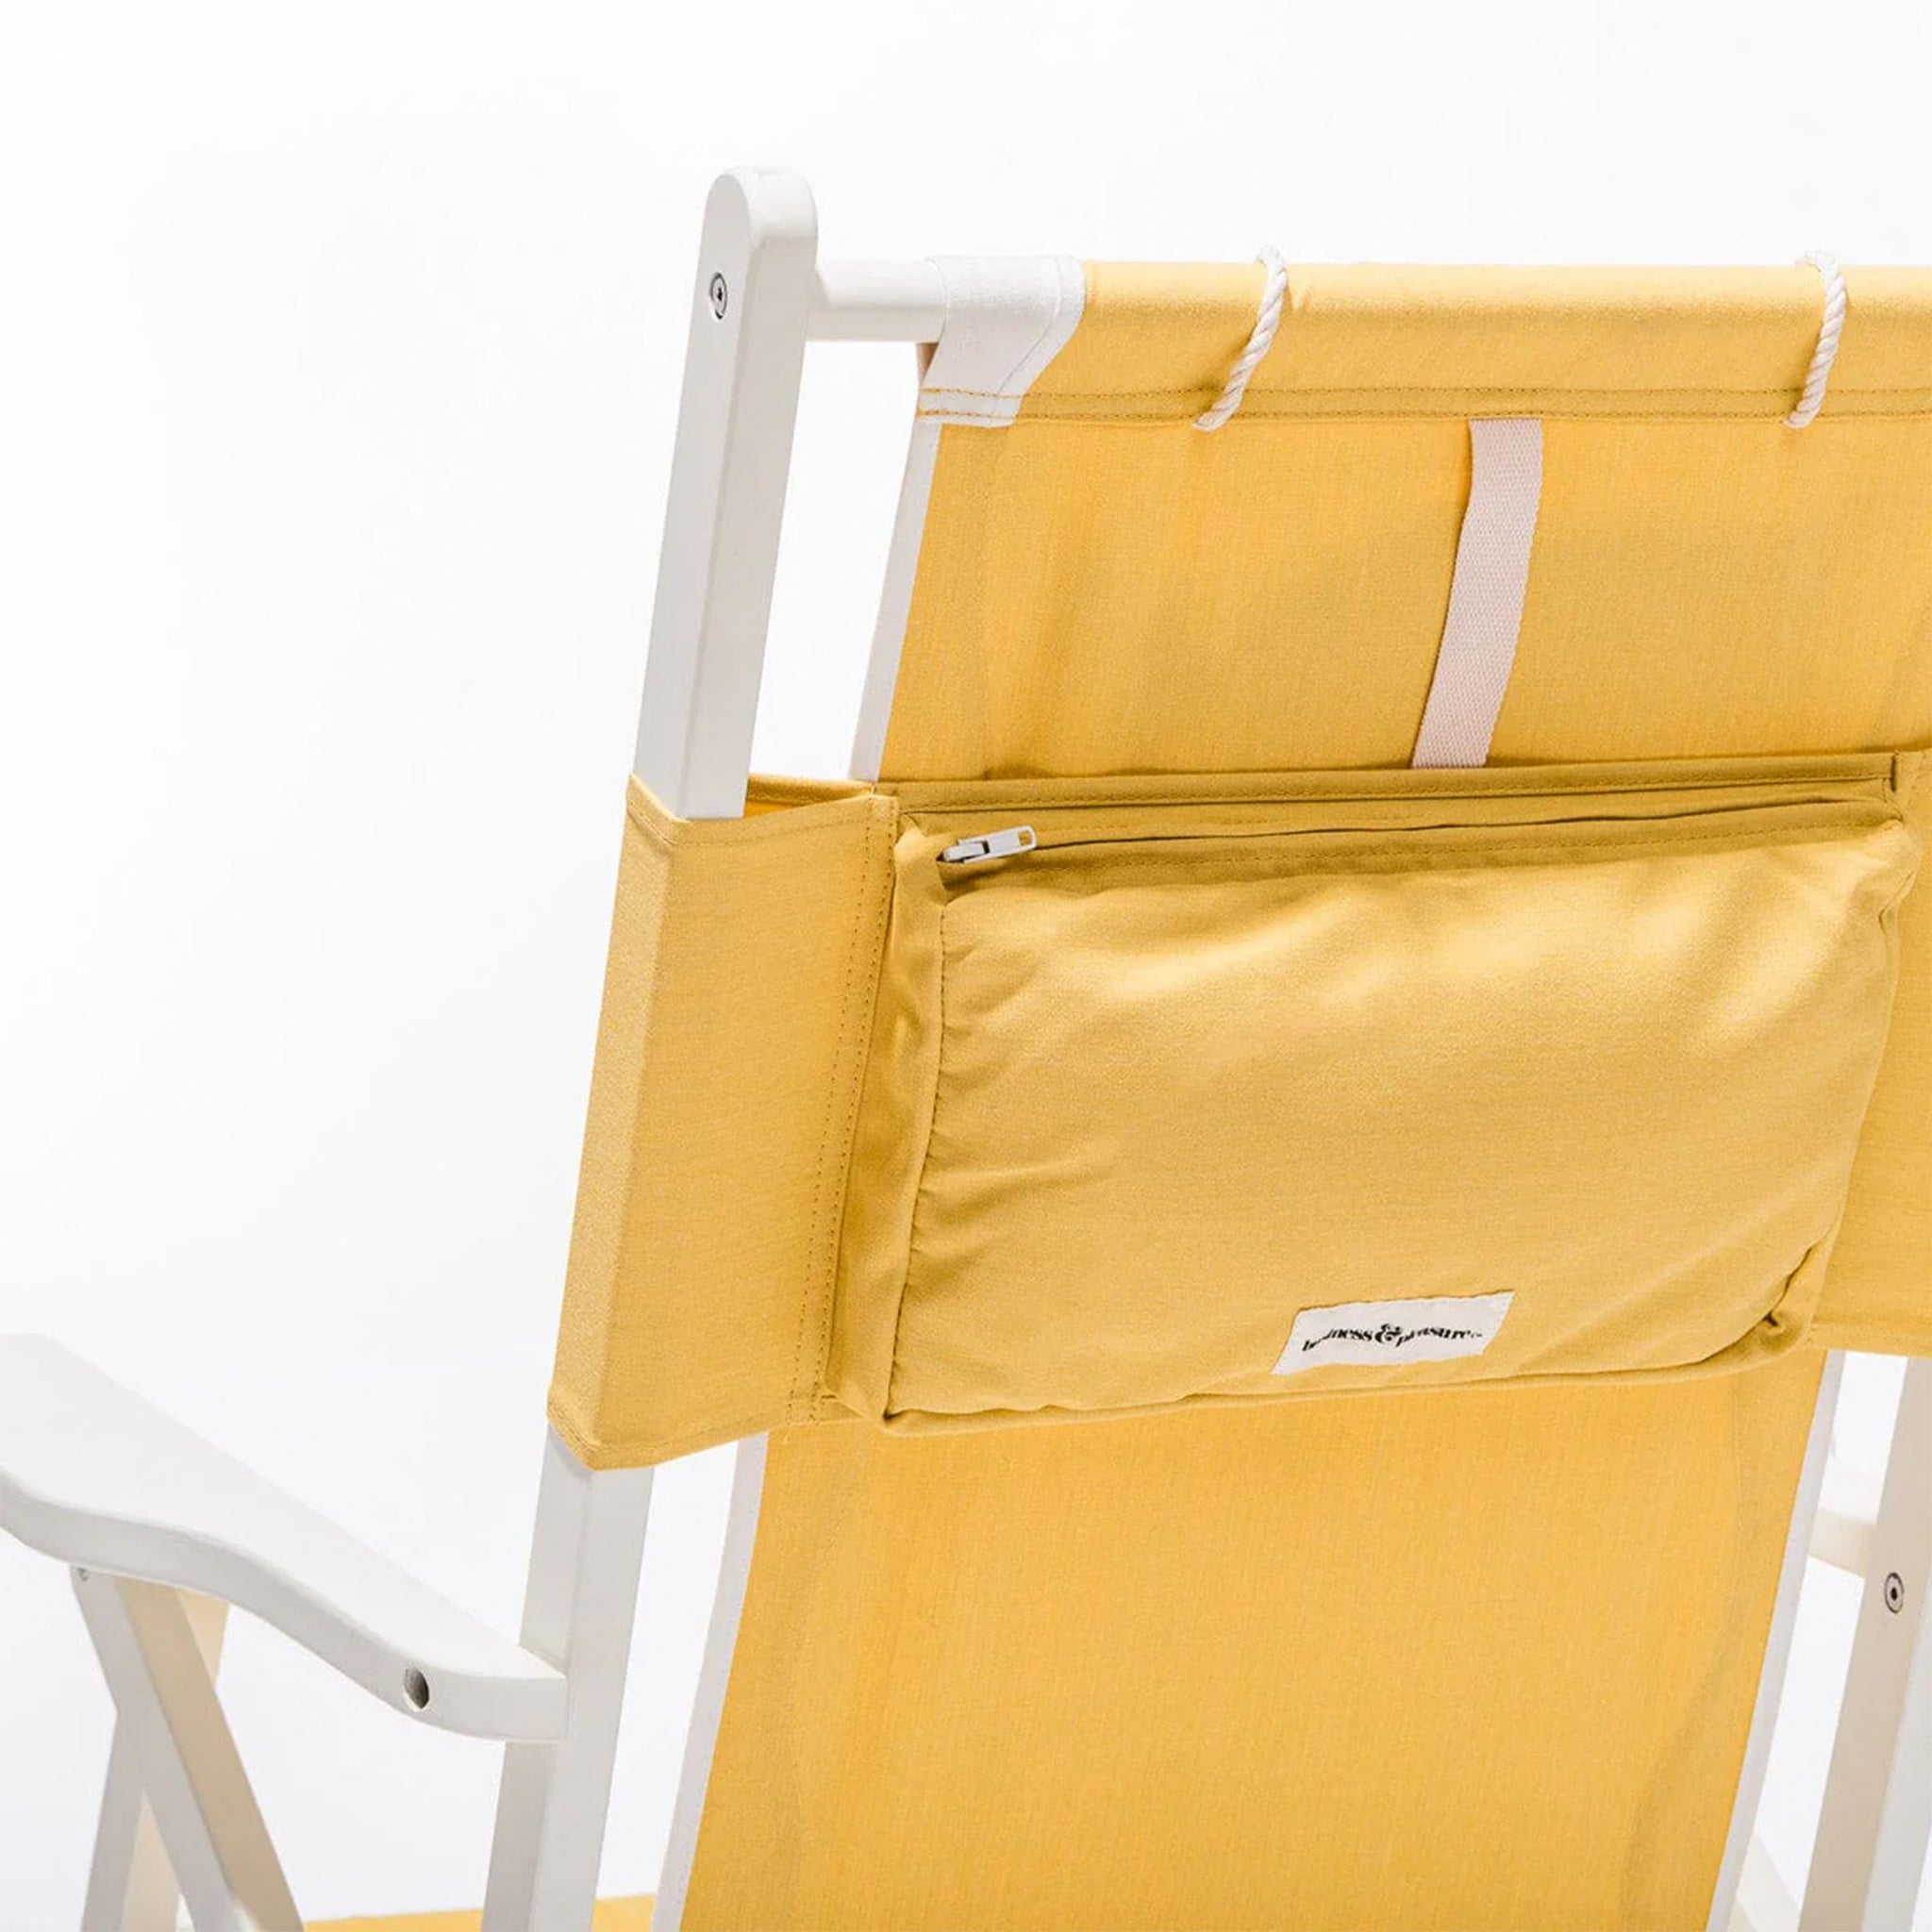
<point x="721" y="297"/>
<point x="1894" y="1591"/>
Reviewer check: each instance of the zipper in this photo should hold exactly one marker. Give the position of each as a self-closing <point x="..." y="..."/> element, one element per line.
<point x="1015" y="839"/>
<point x="987" y="845"/>
<point x="1012" y="840"/>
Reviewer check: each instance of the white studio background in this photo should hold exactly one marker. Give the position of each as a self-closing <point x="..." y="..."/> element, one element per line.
<point x="339" y="360"/>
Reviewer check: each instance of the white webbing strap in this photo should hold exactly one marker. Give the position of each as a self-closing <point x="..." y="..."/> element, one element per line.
<point x="1007" y="318"/>
<point x="1486" y="594"/>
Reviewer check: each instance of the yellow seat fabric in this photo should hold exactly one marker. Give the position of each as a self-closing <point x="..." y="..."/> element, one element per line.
<point x="1469" y="1660"/>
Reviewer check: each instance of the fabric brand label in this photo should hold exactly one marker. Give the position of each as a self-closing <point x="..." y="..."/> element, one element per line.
<point x="1434" y="1328"/>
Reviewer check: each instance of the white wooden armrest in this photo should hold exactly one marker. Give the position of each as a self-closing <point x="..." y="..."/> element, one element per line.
<point x="95" y="1476"/>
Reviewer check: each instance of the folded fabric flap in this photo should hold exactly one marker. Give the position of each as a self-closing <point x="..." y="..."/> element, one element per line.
<point x="1155" y="341"/>
<point x="736" y="1003"/>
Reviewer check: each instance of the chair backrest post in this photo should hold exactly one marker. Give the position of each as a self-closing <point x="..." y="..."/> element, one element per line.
<point x="755" y="285"/>
<point x="750" y="312"/>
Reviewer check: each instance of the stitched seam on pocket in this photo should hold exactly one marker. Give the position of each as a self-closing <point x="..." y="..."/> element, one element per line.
<point x="829" y="1200"/>
<point x="928" y="798"/>
<point x="918" y="1192"/>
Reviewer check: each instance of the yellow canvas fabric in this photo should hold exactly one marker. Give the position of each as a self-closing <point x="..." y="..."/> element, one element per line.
<point x="1469" y="1658"/>
<point x="1467" y="1661"/>
<point x="735" y="1006"/>
<point x="1156" y="341"/>
<point x="1705" y="581"/>
<point x="1103" y="589"/>
<point x="1384" y="1035"/>
<point x="1879" y="1290"/>
<point x="1264" y="994"/>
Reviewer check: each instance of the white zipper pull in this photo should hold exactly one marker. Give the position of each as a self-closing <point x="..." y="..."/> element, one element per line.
<point x="990" y="845"/>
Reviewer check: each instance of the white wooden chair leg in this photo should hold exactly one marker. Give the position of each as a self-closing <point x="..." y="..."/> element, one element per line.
<point x="1762" y="1903"/>
<point x="1777" y="1648"/>
<point x="1872" y="1831"/>
<point x="131" y="1884"/>
<point x="203" y="1805"/>
<point x="578" y="1610"/>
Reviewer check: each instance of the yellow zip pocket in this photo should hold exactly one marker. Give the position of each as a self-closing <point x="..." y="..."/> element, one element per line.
<point x="1227" y="1090"/>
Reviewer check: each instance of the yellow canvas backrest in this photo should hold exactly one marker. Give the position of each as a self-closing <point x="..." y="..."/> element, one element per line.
<point x="1105" y="587"/>
<point x="1481" y="1657"/>
<point x="1106" y="592"/>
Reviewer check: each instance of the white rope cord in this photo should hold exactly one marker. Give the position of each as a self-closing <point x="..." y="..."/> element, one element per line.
<point x="1812" y="398"/>
<point x="1274" y="292"/>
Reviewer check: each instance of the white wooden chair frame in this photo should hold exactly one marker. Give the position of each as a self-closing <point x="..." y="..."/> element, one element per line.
<point x="163" y="1531"/>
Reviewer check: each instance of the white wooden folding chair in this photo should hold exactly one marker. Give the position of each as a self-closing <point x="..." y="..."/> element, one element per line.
<point x="163" y="1532"/>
